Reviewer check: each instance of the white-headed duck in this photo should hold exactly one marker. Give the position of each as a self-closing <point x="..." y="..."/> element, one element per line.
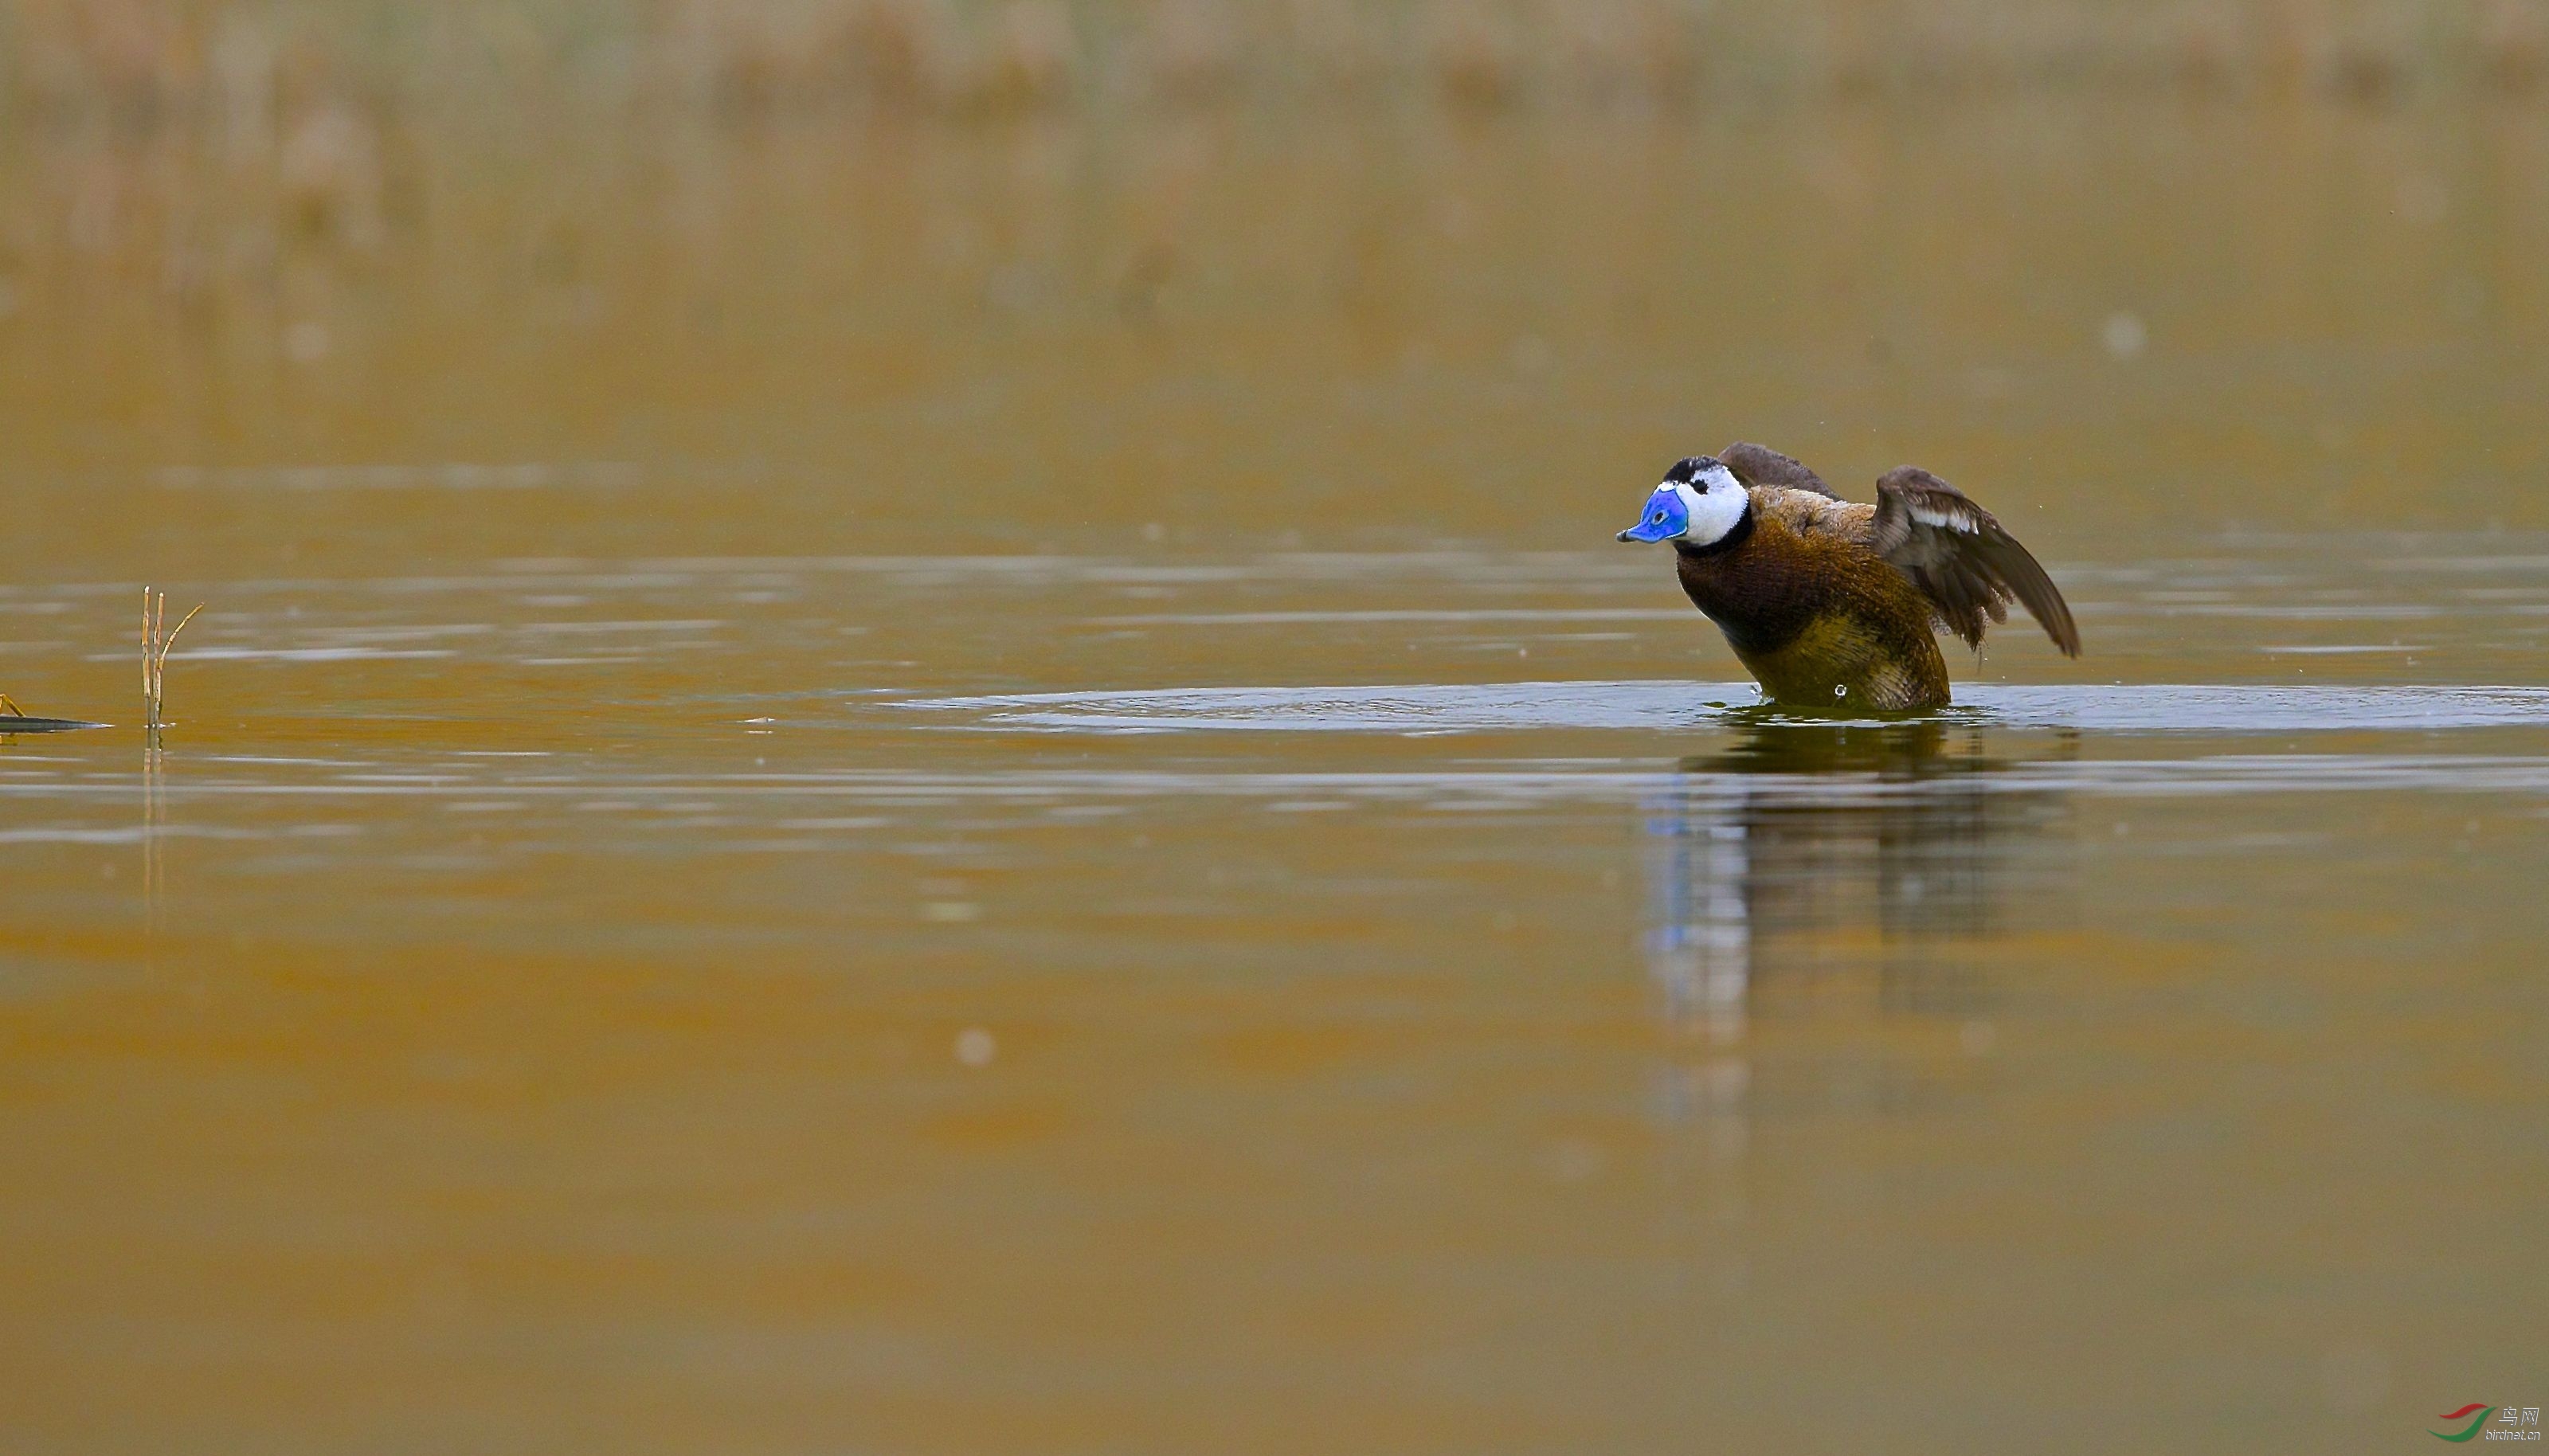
<point x="1834" y="603"/>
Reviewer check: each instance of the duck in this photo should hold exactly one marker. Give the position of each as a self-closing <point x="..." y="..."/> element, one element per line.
<point x="1832" y="604"/>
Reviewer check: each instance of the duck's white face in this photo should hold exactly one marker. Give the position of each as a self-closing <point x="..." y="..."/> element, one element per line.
<point x="1699" y="501"/>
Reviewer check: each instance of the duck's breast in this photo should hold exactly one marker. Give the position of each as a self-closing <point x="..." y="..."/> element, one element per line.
<point x="1814" y="613"/>
<point x="1803" y="557"/>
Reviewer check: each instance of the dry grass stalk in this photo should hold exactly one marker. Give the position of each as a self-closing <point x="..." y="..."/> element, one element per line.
<point x="156" y="638"/>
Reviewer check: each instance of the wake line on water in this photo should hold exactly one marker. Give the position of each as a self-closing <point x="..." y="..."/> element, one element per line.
<point x="697" y="803"/>
<point x="1679" y="705"/>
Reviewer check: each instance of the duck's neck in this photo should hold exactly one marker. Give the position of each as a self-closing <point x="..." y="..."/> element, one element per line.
<point x="1735" y="535"/>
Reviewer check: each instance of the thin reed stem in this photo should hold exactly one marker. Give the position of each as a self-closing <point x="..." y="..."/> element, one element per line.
<point x="156" y="638"/>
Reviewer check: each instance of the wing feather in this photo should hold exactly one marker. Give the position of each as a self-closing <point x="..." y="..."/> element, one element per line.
<point x="1961" y="559"/>
<point x="1759" y="465"/>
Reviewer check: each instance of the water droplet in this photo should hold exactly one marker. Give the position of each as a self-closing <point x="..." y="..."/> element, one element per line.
<point x="2125" y="334"/>
<point x="306" y="343"/>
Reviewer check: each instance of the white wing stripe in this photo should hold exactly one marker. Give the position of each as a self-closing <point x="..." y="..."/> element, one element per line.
<point x="1954" y="521"/>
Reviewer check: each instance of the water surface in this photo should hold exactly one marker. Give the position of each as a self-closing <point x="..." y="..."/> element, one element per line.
<point x="789" y="831"/>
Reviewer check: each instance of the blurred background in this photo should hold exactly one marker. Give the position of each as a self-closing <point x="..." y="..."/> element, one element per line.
<point x="624" y="949"/>
<point x="1219" y="267"/>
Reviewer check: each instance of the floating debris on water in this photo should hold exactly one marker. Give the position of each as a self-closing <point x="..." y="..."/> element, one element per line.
<point x="15" y="719"/>
<point x="28" y="724"/>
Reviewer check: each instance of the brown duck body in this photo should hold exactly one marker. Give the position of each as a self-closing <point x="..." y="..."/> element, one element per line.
<point x="1813" y="610"/>
<point x="1832" y="603"/>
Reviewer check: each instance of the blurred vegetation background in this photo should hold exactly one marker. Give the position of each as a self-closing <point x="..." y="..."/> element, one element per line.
<point x="837" y="253"/>
<point x="238" y="68"/>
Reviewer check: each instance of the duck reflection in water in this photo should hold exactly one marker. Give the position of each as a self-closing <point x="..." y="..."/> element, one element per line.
<point x="1837" y="871"/>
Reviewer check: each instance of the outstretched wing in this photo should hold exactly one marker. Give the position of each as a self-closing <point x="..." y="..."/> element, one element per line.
<point x="1759" y="465"/>
<point x="1961" y="559"/>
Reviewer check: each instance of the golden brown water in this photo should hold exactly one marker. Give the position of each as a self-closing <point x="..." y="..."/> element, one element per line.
<point x="660" y="927"/>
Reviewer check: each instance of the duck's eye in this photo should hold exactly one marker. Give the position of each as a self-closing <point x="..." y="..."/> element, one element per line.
<point x="1658" y="518"/>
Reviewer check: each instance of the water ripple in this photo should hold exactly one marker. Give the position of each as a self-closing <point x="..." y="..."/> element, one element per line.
<point x="1675" y="705"/>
